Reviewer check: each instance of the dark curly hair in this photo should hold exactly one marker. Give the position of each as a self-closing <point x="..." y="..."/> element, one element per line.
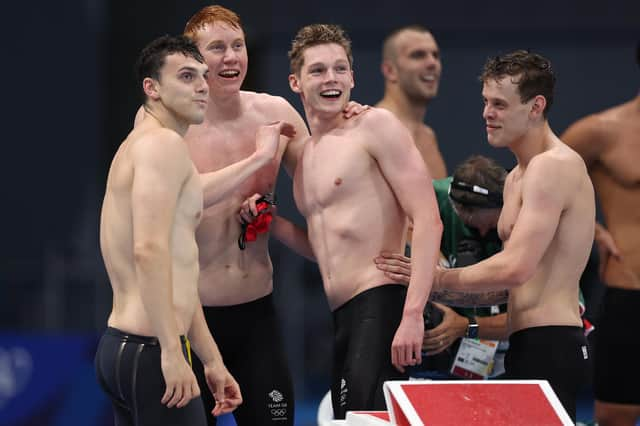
<point x="531" y="72"/>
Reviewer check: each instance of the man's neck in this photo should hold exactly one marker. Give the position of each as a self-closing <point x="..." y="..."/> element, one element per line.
<point x="224" y="107"/>
<point x="405" y="109"/>
<point x="321" y="124"/>
<point x="166" y="119"/>
<point x="538" y="139"/>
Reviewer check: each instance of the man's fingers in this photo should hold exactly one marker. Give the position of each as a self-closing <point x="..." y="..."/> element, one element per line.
<point x="177" y="396"/>
<point x="395" y="256"/>
<point x="187" y="395"/>
<point x="417" y="354"/>
<point x="168" y="393"/>
<point x="395" y="276"/>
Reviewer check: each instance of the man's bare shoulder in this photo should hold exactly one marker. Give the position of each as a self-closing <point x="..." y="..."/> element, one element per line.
<point x="622" y="112"/>
<point x="266" y="103"/>
<point x="601" y="126"/>
<point x="558" y="163"/>
<point x="378" y="119"/>
<point x="427" y="132"/>
<point x="384" y="132"/>
<point x="155" y="142"/>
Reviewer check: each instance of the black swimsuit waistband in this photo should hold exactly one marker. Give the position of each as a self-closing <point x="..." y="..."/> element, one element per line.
<point x="136" y="338"/>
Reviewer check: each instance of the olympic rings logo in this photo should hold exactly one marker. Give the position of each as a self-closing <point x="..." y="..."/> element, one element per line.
<point x="279" y="412"/>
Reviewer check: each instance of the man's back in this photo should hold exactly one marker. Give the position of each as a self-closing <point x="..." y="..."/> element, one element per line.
<point x="553" y="187"/>
<point x="149" y="150"/>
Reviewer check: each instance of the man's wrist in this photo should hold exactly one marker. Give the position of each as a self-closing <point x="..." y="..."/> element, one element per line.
<point x="473" y="329"/>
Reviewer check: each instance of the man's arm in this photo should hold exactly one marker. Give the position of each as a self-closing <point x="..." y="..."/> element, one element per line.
<point x="454" y="326"/>
<point x="296" y="143"/>
<point x="220" y="183"/>
<point x="543" y="201"/>
<point x="159" y="175"/>
<point x="427" y="144"/>
<point x="223" y="386"/>
<point x="398" y="268"/>
<point x="402" y="166"/>
<point x="469" y="300"/>
<point x="283" y="229"/>
<point x="292" y="236"/>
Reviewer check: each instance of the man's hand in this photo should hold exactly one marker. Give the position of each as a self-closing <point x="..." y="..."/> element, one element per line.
<point x="452" y="327"/>
<point x="268" y="138"/>
<point x="181" y="383"/>
<point x="395" y="266"/>
<point x="406" y="348"/>
<point x="353" y="108"/>
<point x="224" y="388"/>
<point x="249" y="209"/>
<point x="607" y="248"/>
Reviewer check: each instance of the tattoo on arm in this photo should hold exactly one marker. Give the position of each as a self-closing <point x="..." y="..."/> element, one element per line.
<point x="469" y="300"/>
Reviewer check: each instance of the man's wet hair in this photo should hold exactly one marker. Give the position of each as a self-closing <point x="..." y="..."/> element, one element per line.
<point x="153" y="56"/>
<point x="531" y="72"/>
<point x="315" y="35"/>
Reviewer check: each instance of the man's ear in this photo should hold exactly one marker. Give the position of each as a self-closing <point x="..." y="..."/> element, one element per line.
<point x="389" y="71"/>
<point x="538" y="106"/>
<point x="150" y="87"/>
<point x="294" y="83"/>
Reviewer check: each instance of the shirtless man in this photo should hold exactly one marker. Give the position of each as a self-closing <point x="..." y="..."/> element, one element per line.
<point x="609" y="144"/>
<point x="546" y="224"/>
<point x="152" y="205"/>
<point x="356" y="183"/>
<point x="236" y="285"/>
<point x="411" y="68"/>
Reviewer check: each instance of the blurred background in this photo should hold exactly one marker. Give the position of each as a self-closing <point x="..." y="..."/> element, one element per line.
<point x="71" y="98"/>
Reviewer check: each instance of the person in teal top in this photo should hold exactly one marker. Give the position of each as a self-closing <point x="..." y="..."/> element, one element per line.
<point x="474" y="193"/>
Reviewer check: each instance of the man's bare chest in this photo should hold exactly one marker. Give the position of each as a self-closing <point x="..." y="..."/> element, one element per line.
<point x="213" y="148"/>
<point x="331" y="170"/>
<point x="621" y="161"/>
<point x="510" y="211"/>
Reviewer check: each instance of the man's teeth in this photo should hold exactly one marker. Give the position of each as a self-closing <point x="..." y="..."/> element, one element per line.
<point x="331" y="93"/>
<point x="229" y="73"/>
<point x="428" y="77"/>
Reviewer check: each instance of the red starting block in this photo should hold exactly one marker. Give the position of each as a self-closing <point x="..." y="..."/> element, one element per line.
<point x="471" y="402"/>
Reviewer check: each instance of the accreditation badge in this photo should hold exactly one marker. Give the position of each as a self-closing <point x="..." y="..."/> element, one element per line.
<point x="475" y="358"/>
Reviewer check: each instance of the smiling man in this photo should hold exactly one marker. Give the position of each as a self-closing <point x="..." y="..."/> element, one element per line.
<point x="236" y="285"/>
<point x="236" y="279"/>
<point x="546" y="225"/>
<point x="152" y="207"/>
<point x="411" y="67"/>
<point x="356" y="183"/>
